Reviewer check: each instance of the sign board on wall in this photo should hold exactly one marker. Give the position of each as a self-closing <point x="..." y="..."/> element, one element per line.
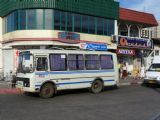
<point x="130" y="42"/>
<point x="126" y="52"/>
<point x="69" y="35"/>
<point x="93" y="46"/>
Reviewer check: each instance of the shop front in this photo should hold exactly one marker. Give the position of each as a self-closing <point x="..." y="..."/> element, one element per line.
<point x="131" y="51"/>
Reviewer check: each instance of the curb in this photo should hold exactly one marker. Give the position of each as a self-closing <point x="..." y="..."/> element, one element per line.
<point x="9" y="91"/>
<point x="130" y="83"/>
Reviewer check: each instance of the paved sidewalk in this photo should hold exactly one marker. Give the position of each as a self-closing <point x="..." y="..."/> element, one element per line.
<point x="130" y="81"/>
<point x="5" y="88"/>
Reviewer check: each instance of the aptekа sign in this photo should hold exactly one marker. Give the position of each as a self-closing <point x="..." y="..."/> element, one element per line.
<point x="126" y="52"/>
<point x="130" y="42"/>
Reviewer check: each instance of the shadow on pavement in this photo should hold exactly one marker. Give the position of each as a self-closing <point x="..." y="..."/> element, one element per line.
<point x="156" y="88"/>
<point x="71" y="92"/>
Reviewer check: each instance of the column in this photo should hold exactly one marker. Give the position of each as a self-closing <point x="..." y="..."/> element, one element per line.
<point x="139" y="30"/>
<point x="115" y="27"/>
<point x="129" y="30"/>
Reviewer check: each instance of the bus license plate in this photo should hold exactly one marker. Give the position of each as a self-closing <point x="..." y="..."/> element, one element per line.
<point x="20" y="83"/>
<point x="152" y="82"/>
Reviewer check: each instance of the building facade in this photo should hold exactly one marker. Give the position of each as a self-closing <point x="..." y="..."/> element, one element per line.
<point x="40" y="24"/>
<point x="134" y="38"/>
<point x="156" y="31"/>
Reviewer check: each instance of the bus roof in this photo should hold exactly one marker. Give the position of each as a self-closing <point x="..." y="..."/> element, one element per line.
<point x="49" y="51"/>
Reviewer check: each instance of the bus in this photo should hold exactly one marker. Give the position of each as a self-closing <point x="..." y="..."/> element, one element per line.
<point x="46" y="71"/>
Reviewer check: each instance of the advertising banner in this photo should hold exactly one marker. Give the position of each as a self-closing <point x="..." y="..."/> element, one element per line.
<point x="69" y="35"/>
<point x="130" y="42"/>
<point x="126" y="52"/>
<point x="93" y="46"/>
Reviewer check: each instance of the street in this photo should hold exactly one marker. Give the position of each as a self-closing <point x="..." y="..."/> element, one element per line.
<point x="126" y="103"/>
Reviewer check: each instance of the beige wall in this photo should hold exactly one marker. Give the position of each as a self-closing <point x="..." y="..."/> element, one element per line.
<point x="156" y="31"/>
<point x="24" y="34"/>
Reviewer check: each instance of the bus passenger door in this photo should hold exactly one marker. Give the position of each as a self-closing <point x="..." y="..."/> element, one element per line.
<point x="42" y="70"/>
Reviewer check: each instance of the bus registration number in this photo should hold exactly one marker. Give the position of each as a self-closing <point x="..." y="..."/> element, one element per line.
<point x="20" y="83"/>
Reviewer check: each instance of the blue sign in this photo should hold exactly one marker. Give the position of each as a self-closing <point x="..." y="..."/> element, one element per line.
<point x="130" y="42"/>
<point x="93" y="46"/>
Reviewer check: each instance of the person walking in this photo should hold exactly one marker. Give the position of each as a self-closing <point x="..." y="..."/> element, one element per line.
<point x="124" y="71"/>
<point x="142" y="72"/>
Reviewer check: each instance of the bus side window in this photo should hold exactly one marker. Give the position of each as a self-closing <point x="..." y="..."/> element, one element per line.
<point x="42" y="64"/>
<point x="106" y="62"/>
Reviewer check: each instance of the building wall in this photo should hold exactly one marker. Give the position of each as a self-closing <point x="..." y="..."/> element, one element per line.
<point x="156" y="31"/>
<point x="49" y="37"/>
<point x="0" y="45"/>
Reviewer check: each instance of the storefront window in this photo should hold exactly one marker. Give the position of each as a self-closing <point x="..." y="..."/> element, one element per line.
<point x="63" y="20"/>
<point x="58" y="20"/>
<point x="69" y="21"/>
<point x="77" y="23"/>
<point x="92" y="25"/>
<point x="85" y="24"/>
<point x="99" y="26"/>
<point x="49" y="19"/>
<point x="39" y="19"/>
<point x="110" y="27"/>
<point x="31" y="19"/>
<point x="15" y="20"/>
<point x="22" y="18"/>
<point x="9" y="23"/>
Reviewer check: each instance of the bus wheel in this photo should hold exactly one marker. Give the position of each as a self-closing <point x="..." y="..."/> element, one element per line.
<point x="47" y="90"/>
<point x="97" y="86"/>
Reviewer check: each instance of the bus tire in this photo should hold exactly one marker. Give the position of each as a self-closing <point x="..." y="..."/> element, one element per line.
<point x="97" y="86"/>
<point x="47" y="90"/>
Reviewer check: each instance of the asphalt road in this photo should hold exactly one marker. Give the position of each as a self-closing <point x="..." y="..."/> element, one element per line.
<point x="126" y="103"/>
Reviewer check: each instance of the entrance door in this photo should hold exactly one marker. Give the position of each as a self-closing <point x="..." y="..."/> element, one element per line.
<point x="42" y="69"/>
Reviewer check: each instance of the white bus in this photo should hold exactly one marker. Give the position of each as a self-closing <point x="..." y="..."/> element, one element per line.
<point x="48" y="71"/>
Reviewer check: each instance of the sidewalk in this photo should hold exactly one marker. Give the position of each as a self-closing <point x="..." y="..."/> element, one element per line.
<point x="5" y="88"/>
<point x="130" y="81"/>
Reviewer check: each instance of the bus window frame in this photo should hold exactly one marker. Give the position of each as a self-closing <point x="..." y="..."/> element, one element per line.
<point x="111" y="58"/>
<point x="66" y="65"/>
<point x="36" y="58"/>
<point x="84" y="67"/>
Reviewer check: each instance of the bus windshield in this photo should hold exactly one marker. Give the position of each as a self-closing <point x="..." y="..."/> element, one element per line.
<point x="154" y="67"/>
<point x="25" y="64"/>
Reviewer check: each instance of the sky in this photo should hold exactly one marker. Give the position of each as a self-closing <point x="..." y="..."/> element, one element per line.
<point x="149" y="6"/>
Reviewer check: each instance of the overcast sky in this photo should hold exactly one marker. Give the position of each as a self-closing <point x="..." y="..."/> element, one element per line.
<point x="150" y="6"/>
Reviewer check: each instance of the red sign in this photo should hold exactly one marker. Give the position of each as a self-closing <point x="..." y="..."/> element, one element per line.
<point x="126" y="52"/>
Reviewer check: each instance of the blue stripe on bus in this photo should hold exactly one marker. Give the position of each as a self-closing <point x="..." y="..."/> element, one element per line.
<point x="67" y="83"/>
<point x="73" y="72"/>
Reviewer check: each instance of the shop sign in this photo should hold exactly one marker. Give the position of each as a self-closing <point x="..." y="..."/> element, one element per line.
<point x="131" y="42"/>
<point x="93" y="46"/>
<point x="126" y="52"/>
<point x="68" y="36"/>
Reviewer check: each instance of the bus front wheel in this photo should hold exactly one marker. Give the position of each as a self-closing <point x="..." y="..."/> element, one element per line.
<point x="47" y="90"/>
<point x="97" y="86"/>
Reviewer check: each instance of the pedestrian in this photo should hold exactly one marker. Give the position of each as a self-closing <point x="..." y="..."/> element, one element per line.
<point x="124" y="71"/>
<point x="120" y="70"/>
<point x="12" y="79"/>
<point x="142" y="72"/>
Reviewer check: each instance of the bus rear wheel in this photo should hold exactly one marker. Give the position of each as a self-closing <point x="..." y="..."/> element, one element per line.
<point x="47" y="90"/>
<point x="97" y="86"/>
